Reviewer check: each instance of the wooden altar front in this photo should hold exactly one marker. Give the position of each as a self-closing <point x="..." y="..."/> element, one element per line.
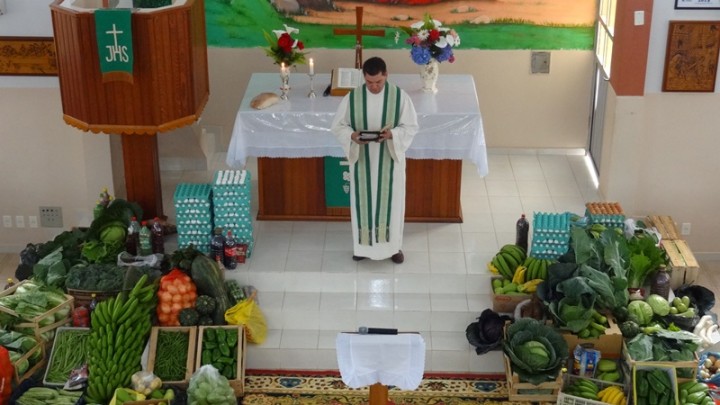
<point x="291" y="138"/>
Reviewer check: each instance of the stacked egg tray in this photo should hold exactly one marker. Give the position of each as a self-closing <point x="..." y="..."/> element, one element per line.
<point x="609" y="214"/>
<point x="194" y="215"/>
<point x="550" y="235"/>
<point x="231" y="205"/>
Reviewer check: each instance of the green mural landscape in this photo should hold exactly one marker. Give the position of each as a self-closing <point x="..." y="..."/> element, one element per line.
<point x="240" y="24"/>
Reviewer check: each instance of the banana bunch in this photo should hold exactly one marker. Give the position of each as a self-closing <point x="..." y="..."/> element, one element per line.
<point x="583" y="388"/>
<point x="612" y="395"/>
<point x="536" y="268"/>
<point x="507" y="260"/>
<point x="119" y="329"/>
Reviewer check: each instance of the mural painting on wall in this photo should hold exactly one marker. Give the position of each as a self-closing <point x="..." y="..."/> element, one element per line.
<point x="482" y="24"/>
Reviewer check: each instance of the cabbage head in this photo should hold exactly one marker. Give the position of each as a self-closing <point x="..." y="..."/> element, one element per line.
<point x="640" y="312"/>
<point x="660" y="305"/>
<point x="537" y="351"/>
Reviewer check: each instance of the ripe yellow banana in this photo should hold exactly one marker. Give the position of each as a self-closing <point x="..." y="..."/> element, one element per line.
<point x="519" y="276"/>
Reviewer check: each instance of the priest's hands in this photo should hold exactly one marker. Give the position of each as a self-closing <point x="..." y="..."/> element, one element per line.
<point x="385" y="135"/>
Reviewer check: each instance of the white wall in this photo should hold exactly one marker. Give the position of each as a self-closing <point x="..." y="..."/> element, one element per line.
<point x="660" y="150"/>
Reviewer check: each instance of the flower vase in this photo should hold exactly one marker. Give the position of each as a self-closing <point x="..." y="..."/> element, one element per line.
<point x="284" y="84"/>
<point x="429" y="74"/>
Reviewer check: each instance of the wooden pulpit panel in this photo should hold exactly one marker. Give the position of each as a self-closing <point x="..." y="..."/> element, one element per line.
<point x="294" y="189"/>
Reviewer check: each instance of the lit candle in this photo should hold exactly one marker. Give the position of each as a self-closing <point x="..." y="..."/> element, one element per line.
<point x="312" y="66"/>
<point x="282" y="68"/>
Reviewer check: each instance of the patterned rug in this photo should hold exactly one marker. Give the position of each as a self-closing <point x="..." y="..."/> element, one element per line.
<point x="264" y="387"/>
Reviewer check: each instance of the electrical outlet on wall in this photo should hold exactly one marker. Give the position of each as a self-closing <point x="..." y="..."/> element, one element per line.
<point x="685" y="228"/>
<point x="7" y="221"/>
<point x="32" y="221"/>
<point x="20" y="221"/>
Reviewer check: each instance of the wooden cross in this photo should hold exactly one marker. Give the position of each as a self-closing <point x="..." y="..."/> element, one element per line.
<point x="358" y="32"/>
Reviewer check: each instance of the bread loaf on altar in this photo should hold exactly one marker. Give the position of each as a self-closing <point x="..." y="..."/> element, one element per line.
<point x="264" y="100"/>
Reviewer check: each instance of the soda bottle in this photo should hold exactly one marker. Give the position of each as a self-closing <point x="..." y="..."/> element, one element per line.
<point x="217" y="245"/>
<point x="145" y="248"/>
<point x="522" y="227"/>
<point x="157" y="237"/>
<point x="133" y="237"/>
<point x="661" y="283"/>
<point x="230" y="259"/>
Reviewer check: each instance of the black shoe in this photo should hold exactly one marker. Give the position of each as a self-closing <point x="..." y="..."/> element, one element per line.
<point x="358" y="258"/>
<point x="398" y="257"/>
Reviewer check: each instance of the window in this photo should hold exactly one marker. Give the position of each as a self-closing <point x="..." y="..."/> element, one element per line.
<point x="605" y="33"/>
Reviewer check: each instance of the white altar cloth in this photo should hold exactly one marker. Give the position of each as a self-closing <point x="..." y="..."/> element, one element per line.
<point x="397" y="360"/>
<point x="450" y="121"/>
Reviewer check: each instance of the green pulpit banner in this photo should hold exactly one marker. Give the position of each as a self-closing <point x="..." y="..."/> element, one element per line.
<point x="337" y="182"/>
<point x="113" y="30"/>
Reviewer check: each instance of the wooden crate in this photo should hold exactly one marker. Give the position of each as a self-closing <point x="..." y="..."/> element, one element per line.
<point x="189" y="365"/>
<point x="238" y="384"/>
<point x="34" y="323"/>
<point x="18" y="378"/>
<point x="684" y="268"/>
<point x="568" y="399"/>
<point x="84" y="297"/>
<point x="630" y="364"/>
<point x="52" y="354"/>
<point x="664" y="225"/>
<point x="523" y="391"/>
<point x="506" y="303"/>
<point x="667" y="367"/>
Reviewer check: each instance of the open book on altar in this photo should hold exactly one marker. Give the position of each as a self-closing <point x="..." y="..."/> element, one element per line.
<point x="344" y="79"/>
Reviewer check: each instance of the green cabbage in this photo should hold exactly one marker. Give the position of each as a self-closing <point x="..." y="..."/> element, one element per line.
<point x="537" y="351"/>
<point x="660" y="305"/>
<point x="640" y="312"/>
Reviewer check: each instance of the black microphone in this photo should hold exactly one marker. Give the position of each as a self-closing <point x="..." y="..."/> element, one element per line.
<point x="364" y="330"/>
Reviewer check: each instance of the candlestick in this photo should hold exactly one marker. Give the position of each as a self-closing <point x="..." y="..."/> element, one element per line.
<point x="284" y="81"/>
<point x="312" y="67"/>
<point x="312" y="76"/>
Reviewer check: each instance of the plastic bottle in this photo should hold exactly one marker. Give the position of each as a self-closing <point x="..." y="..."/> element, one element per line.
<point x="9" y="284"/>
<point x="157" y="237"/>
<point x="93" y="302"/>
<point x="145" y="247"/>
<point x="133" y="237"/>
<point x="661" y="283"/>
<point x="522" y="228"/>
<point x="217" y="245"/>
<point x="230" y="252"/>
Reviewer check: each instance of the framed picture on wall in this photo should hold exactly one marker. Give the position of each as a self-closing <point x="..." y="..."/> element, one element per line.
<point x="697" y="4"/>
<point x="691" y="57"/>
<point x="28" y="56"/>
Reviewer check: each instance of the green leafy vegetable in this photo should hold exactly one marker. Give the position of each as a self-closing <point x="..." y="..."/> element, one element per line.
<point x="537" y="351"/>
<point x="645" y="258"/>
<point x="640" y="312"/>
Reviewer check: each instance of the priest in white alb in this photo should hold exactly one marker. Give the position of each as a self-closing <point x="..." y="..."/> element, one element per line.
<point x="377" y="160"/>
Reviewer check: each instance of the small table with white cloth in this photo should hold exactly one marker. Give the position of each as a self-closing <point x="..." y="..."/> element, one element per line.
<point x="291" y="138"/>
<point x="381" y="360"/>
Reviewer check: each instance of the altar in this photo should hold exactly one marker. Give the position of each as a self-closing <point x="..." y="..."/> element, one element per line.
<point x="291" y="139"/>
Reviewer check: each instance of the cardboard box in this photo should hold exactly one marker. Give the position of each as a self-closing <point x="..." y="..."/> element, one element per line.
<point x="505" y="303"/>
<point x="610" y="344"/>
<point x="238" y="384"/>
<point x="665" y="225"/>
<point x="684" y="268"/>
<point x="189" y="364"/>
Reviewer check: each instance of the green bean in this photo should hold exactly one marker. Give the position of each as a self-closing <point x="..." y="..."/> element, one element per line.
<point x="171" y="355"/>
<point x="69" y="353"/>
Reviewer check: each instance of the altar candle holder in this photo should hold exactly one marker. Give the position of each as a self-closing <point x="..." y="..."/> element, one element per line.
<point x="312" y="90"/>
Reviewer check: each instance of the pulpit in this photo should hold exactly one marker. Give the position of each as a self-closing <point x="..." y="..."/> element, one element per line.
<point x="291" y="139"/>
<point x="167" y="87"/>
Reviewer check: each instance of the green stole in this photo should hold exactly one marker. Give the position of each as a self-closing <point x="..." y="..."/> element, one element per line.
<point x="363" y="195"/>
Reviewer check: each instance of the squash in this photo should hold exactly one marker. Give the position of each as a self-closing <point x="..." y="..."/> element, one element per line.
<point x="210" y="281"/>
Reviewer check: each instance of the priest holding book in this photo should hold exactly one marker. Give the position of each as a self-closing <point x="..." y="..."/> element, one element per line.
<point x="375" y="124"/>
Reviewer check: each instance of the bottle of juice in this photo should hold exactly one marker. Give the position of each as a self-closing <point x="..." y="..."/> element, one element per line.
<point x="522" y="228"/>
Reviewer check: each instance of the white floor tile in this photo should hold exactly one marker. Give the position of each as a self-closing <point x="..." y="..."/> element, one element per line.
<point x="505" y="205"/>
<point x="445" y="242"/>
<point x="501" y="188"/>
<point x="406" y="283"/>
<point x="448" y="263"/>
<point x="532" y="188"/>
<point x="375" y="301"/>
<point x="412" y="302"/>
<point x="299" y="339"/>
<point x="303" y="261"/>
<point x="448" y="302"/>
<point x="338" y="301"/>
<point x="307" y="240"/>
